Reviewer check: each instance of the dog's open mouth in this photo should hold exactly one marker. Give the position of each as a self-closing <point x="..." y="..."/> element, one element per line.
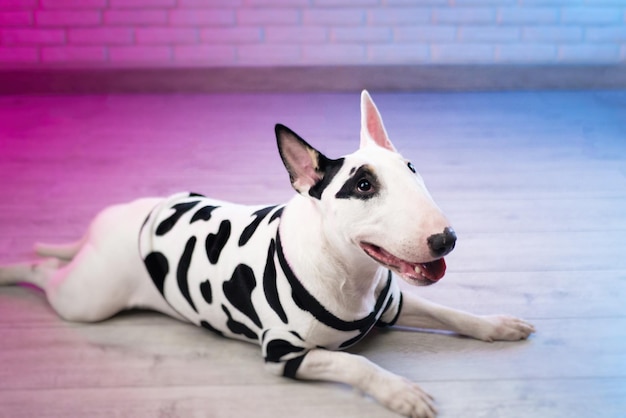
<point x="418" y="273"/>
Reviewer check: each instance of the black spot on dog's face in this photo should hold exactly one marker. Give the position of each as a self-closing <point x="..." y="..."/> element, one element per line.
<point x="363" y="184"/>
<point x="329" y="168"/>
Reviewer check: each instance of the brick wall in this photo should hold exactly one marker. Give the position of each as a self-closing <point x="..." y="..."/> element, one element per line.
<point x="213" y="33"/>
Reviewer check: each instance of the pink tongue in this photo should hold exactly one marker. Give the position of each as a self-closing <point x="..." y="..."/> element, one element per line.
<point x="435" y="269"/>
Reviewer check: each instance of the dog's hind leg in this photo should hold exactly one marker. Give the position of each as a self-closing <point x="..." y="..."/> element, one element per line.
<point x="36" y="273"/>
<point x="69" y="287"/>
<point x="105" y="275"/>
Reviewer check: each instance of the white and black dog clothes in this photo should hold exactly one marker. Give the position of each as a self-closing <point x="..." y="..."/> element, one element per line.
<point x="222" y="267"/>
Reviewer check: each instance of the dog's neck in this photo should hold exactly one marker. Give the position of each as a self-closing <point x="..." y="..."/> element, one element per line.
<point x="338" y="273"/>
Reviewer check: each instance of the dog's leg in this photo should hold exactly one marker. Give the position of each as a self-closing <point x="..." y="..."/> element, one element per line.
<point x="105" y="274"/>
<point x="396" y="393"/>
<point x="39" y="272"/>
<point x="36" y="273"/>
<point x="76" y="290"/>
<point x="420" y="313"/>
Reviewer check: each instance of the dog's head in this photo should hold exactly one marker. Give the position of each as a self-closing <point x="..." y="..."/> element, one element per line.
<point x="373" y="200"/>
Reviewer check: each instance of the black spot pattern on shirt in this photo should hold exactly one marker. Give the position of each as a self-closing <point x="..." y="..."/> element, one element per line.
<point x="237" y="327"/>
<point x="238" y="291"/>
<point x="215" y="242"/>
<point x="277" y="349"/>
<point x="203" y="214"/>
<point x="249" y="230"/>
<point x="183" y="269"/>
<point x="206" y="291"/>
<point x="276" y="215"/>
<point x="158" y="267"/>
<point x="269" y="284"/>
<point x="179" y="210"/>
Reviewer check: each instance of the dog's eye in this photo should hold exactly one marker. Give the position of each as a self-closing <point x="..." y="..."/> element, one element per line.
<point x="411" y="166"/>
<point x="364" y="185"/>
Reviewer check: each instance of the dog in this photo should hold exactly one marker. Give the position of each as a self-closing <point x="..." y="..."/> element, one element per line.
<point x="304" y="280"/>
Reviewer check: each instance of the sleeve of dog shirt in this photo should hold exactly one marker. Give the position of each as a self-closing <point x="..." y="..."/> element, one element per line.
<point x="283" y="352"/>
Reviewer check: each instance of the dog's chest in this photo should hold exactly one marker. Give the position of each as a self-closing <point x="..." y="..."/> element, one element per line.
<point x="222" y="267"/>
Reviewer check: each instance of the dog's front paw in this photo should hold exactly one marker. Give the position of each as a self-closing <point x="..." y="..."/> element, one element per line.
<point x="403" y="397"/>
<point x="503" y="328"/>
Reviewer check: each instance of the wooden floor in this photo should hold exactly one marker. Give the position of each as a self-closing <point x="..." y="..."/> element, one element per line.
<point x="534" y="183"/>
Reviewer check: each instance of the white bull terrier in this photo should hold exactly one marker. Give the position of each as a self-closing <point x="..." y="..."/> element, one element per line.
<point x="302" y="280"/>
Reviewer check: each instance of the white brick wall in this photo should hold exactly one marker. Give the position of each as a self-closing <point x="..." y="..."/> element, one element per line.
<point x="129" y="33"/>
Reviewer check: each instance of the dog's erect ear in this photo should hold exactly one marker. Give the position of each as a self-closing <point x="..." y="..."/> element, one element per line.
<point x="309" y="170"/>
<point x="372" y="128"/>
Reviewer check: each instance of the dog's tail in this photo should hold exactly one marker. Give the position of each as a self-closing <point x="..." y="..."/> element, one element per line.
<point x="65" y="252"/>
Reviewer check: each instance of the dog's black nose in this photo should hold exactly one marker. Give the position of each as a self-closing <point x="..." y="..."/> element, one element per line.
<point x="442" y="244"/>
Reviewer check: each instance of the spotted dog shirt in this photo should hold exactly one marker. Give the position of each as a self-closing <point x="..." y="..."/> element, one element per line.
<point x="222" y="267"/>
